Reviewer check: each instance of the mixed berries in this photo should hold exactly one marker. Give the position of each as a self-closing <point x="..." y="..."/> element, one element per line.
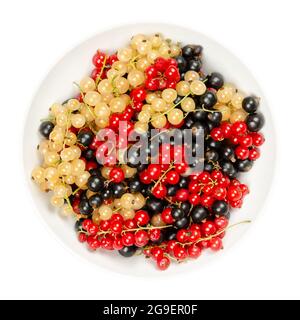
<point x="149" y="195"/>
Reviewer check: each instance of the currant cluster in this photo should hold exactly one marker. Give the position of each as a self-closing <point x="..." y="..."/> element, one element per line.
<point x="137" y="197"/>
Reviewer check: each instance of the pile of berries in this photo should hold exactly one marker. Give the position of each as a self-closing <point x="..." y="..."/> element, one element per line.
<point x="148" y="195"/>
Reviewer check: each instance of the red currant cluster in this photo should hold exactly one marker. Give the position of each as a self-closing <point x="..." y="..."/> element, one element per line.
<point x="162" y="74"/>
<point x="245" y="142"/>
<point x="161" y="206"/>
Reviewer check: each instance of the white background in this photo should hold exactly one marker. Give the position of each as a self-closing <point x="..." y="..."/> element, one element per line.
<point x="264" y="34"/>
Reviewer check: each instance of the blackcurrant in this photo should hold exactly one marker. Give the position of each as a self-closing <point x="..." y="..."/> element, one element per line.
<point x="95" y="183"/>
<point x="255" y="122"/>
<point x="118" y="189"/>
<point x="215" y="80"/>
<point x="171" y="190"/>
<point x="199" y="214"/>
<point x="220" y="208"/>
<point x="211" y="155"/>
<point x="95" y="200"/>
<point x="46" y="128"/>
<point x="227" y="152"/>
<point x="182" y="63"/>
<point x="185" y="207"/>
<point x="244" y="165"/>
<point x="228" y="169"/>
<point x="170" y="234"/>
<point x="85" y="138"/>
<point x="188" y="51"/>
<point x="215" y="117"/>
<point x="107" y="194"/>
<point x="194" y="65"/>
<point x="85" y="208"/>
<point x="155" y="205"/>
<point x="128" y="252"/>
<point x="199" y="115"/>
<point x="78" y="224"/>
<point x="177" y="213"/>
<point x="88" y="154"/>
<point x="182" y="223"/>
<point x="208" y="100"/>
<point x="183" y="182"/>
<point x="135" y="185"/>
<point x="250" y="104"/>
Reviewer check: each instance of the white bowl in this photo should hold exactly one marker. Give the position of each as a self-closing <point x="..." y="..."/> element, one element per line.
<point x="58" y="86"/>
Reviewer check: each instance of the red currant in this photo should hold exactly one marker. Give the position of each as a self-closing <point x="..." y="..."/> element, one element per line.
<point x="163" y="263"/>
<point x="142" y="217"/>
<point x="166" y="216"/>
<point x="98" y="59"/>
<point x="157" y="252"/>
<point x="221" y="223"/>
<point x="257" y="138"/>
<point x="241" y="152"/>
<point x="182" y="195"/>
<point x="194" y="251"/>
<point x="179" y="252"/>
<point x="128" y="239"/>
<point x="116" y="227"/>
<point x="254" y="154"/>
<point x="116" y="175"/>
<point x="182" y="235"/>
<point x="82" y="237"/>
<point x="208" y="228"/>
<point x="217" y="134"/>
<point x="118" y="244"/>
<point x="172" y="177"/>
<point x="215" y="244"/>
<point x="239" y="128"/>
<point x="194" y="199"/>
<point x="245" y="141"/>
<point x="141" y="238"/>
<point x="160" y="191"/>
<point x="138" y="94"/>
<point x="154" y="170"/>
<point x="234" y="193"/>
<point x="154" y="234"/>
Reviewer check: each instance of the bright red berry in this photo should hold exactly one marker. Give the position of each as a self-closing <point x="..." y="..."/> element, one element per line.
<point x="92" y="229"/>
<point x="221" y="223"/>
<point x="138" y="94"/>
<point x="154" y="234"/>
<point x="82" y="237"/>
<point x="217" y="134"/>
<point x="86" y="223"/>
<point x="99" y="59"/>
<point x="157" y="252"/>
<point x="116" y="227"/>
<point x="141" y="238"/>
<point x="179" y="252"/>
<point x="215" y="244"/>
<point x="163" y="262"/>
<point x="257" y="138"/>
<point x="117" y="175"/>
<point x="194" y="199"/>
<point x="182" y="195"/>
<point x="245" y="141"/>
<point x="208" y="228"/>
<point x="254" y="154"/>
<point x="241" y="152"/>
<point x="182" y="235"/>
<point x="154" y="170"/>
<point x="172" y="177"/>
<point x="142" y="217"/>
<point x="234" y="193"/>
<point x="166" y="216"/>
<point x="160" y="191"/>
<point x="239" y="128"/>
<point x="118" y="244"/>
<point x="128" y="239"/>
<point x="194" y="251"/>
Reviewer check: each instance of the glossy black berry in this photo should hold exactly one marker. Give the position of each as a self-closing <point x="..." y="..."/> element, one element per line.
<point x="182" y="223"/>
<point x="177" y="213"/>
<point x="185" y="207"/>
<point x="171" y="234"/>
<point x="171" y="191"/>
<point x="215" y="117"/>
<point x="220" y="208"/>
<point x="46" y="128"/>
<point x="155" y="205"/>
<point x="85" y="208"/>
<point x="78" y="224"/>
<point x="255" y="122"/>
<point x="194" y="65"/>
<point x="188" y="51"/>
<point x="183" y="182"/>
<point x="118" y="189"/>
<point x="244" y="165"/>
<point x="198" y="50"/>
<point x="208" y="166"/>
<point x="199" y="214"/>
<point x="88" y="154"/>
<point x="199" y="115"/>
<point x="107" y="194"/>
<point x="212" y="144"/>
<point x="182" y="63"/>
<point x="128" y="252"/>
<point x="85" y="138"/>
<point x="96" y="172"/>
<point x="135" y="185"/>
<point x="250" y="104"/>
<point x="208" y="100"/>
<point x="95" y="183"/>
<point x="215" y="80"/>
<point x="95" y="200"/>
<point x="199" y="129"/>
<point x="226" y="152"/>
<point x="228" y="169"/>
